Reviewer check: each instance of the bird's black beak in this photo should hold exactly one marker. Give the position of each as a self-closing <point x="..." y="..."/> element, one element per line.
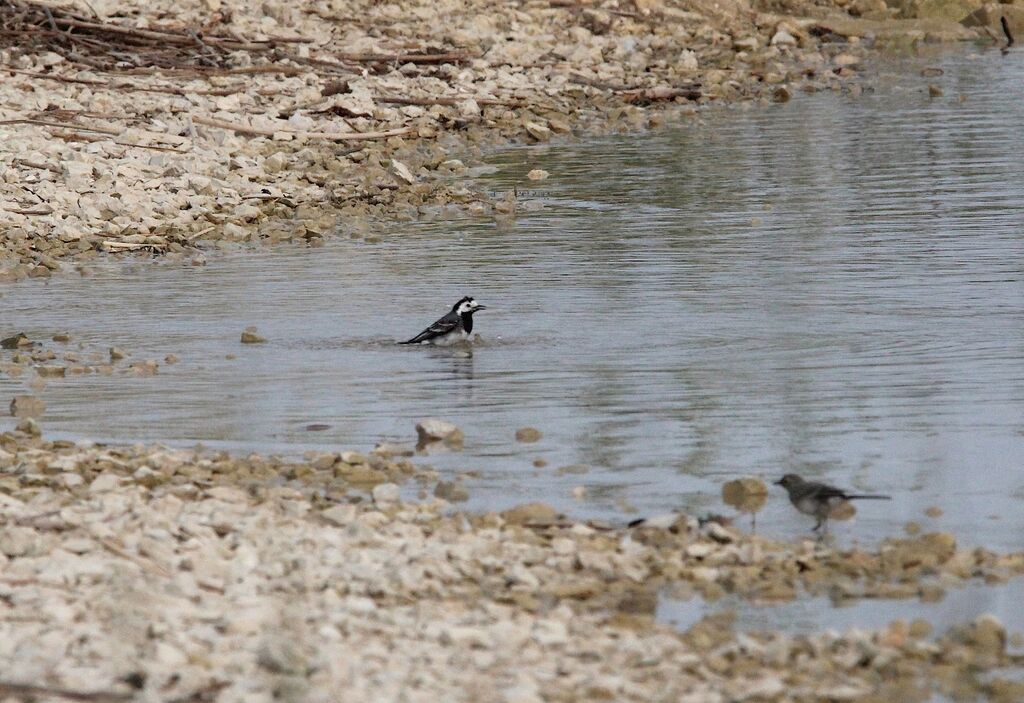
<point x="479" y="307"/>
<point x="778" y="483"/>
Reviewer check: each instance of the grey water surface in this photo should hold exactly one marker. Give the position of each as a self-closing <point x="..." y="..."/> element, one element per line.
<point x="834" y="286"/>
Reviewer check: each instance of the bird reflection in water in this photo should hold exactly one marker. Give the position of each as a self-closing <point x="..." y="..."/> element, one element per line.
<point x="460" y="359"/>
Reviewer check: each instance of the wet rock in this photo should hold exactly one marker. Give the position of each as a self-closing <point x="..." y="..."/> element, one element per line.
<point x="991" y="14"/>
<point x="747" y="495"/>
<point x="537" y="174"/>
<point x="436" y="430"/>
<point x="935" y="91"/>
<point x="29" y="426"/>
<point x="144" y="368"/>
<point x="350" y="457"/>
<point x="323" y="462"/>
<point x="986" y="637"/>
<point x="538" y="131"/>
<point x="251" y="336"/>
<point x="531" y="513"/>
<point x="528" y="435"/>
<point x="117" y="354"/>
<point x="393" y="449"/>
<point x="17" y="341"/>
<point x="452" y="491"/>
<point x="27" y="406"/>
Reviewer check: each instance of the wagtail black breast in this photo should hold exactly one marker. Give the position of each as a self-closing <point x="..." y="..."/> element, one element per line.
<point x="453" y="327"/>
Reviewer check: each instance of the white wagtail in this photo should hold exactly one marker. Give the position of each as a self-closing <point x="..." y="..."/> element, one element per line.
<point x="819" y="499"/>
<point x="453" y="327"/>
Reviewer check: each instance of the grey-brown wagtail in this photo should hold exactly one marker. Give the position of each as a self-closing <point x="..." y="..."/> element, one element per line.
<point x="819" y="499"/>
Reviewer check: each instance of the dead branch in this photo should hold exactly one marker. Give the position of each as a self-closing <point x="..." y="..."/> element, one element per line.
<point x="331" y="136"/>
<point x="109" y="45"/>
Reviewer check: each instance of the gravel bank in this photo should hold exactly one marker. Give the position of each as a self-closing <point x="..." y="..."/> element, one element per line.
<point x="172" y="128"/>
<point x="159" y="574"/>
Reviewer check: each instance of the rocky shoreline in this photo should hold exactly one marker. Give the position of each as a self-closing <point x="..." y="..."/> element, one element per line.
<point x="151" y="573"/>
<point x="160" y="574"/>
<point x="175" y="128"/>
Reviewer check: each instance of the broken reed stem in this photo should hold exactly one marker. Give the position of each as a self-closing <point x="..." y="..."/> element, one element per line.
<point x="330" y="136"/>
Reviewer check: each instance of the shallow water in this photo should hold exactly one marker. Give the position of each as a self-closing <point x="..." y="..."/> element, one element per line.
<point x="832" y="286"/>
<point x="811" y="615"/>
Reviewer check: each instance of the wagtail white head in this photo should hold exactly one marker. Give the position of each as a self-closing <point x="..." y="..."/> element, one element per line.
<point x="453" y="327"/>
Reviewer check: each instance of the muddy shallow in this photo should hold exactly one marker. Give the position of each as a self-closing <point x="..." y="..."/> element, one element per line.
<point x="831" y="286"/>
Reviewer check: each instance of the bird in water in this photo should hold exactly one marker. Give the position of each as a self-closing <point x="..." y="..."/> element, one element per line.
<point x="819" y="499"/>
<point x="453" y="327"/>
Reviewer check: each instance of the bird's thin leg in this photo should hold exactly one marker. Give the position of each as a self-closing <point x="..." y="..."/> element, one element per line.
<point x="817" y="525"/>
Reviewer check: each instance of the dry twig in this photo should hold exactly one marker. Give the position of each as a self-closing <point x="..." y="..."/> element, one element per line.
<point x="331" y="136"/>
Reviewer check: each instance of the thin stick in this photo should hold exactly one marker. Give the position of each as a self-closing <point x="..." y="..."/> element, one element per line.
<point x="332" y="136"/>
<point x="173" y="90"/>
<point x="55" y="77"/>
<point x="45" y="123"/>
<point x="443" y="100"/>
<point x="405" y="58"/>
<point x="26" y="690"/>
<point x="40" y="166"/>
<point x="49" y="17"/>
<point x="76" y="137"/>
<point x="171" y="138"/>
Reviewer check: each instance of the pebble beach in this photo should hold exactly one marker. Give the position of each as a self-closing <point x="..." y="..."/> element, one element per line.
<point x="182" y="131"/>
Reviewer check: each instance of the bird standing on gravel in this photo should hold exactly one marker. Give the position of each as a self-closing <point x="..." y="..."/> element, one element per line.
<point x="453" y="327"/>
<point x="819" y="499"/>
